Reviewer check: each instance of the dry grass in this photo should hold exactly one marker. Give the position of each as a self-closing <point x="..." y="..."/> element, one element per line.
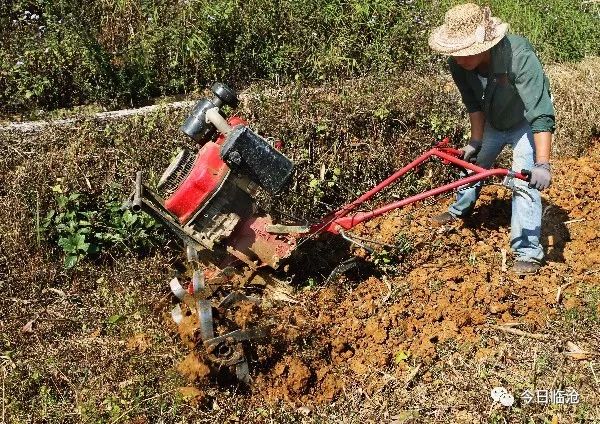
<point x="76" y="365"/>
<point x="576" y="97"/>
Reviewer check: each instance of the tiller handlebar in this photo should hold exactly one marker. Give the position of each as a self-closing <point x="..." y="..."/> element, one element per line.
<point x="342" y="220"/>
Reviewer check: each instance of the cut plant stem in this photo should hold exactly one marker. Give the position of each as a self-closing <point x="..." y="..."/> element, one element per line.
<point x="37" y="218"/>
<point x="517" y="332"/>
<point x="561" y="288"/>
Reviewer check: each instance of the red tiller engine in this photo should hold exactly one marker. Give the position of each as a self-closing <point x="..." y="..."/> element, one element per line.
<point x="208" y="198"/>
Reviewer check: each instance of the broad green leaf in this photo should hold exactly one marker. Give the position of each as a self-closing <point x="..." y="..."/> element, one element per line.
<point x="115" y="319"/>
<point x="61" y="201"/>
<point x="80" y="242"/>
<point x="129" y="218"/>
<point x="68" y="244"/>
<point x="70" y="261"/>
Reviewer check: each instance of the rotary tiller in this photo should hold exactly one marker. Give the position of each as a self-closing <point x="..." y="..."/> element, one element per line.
<point x="207" y="198"/>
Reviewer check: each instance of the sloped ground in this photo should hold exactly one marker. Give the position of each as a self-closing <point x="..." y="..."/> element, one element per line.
<point x="421" y="343"/>
<point x="403" y="336"/>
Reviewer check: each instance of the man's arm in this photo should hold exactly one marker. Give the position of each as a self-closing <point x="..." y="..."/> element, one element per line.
<point x="476" y="115"/>
<point x="533" y="88"/>
<point x="543" y="143"/>
<point x="477" y="124"/>
<point x="471" y="150"/>
<point x="540" y="174"/>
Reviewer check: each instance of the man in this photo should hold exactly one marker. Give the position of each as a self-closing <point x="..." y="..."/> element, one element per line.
<point x="507" y="96"/>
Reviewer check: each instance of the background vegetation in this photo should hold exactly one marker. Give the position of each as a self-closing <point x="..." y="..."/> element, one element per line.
<point x="63" y="53"/>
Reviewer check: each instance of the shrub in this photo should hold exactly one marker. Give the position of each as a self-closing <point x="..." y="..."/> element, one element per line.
<point x="62" y="53"/>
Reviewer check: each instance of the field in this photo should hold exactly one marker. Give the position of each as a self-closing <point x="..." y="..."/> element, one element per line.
<point x="420" y="331"/>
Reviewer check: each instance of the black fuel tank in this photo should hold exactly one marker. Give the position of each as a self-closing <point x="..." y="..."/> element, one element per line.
<point x="247" y="153"/>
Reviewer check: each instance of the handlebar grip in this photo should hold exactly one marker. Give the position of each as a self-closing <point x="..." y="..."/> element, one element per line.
<point x="527" y="173"/>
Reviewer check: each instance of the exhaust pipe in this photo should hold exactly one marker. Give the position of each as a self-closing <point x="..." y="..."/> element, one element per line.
<point x="136" y="204"/>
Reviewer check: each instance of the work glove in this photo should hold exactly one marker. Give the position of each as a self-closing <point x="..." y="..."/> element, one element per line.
<point x="540" y="176"/>
<point x="471" y="150"/>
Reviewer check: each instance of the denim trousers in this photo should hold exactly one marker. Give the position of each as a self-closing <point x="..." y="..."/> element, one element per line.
<point x="526" y="219"/>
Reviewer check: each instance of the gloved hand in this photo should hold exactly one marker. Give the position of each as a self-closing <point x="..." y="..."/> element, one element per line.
<point x="471" y="150"/>
<point x="540" y="176"/>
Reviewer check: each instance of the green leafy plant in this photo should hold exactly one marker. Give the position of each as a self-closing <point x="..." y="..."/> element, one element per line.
<point x="441" y="127"/>
<point x="385" y="260"/>
<point x="57" y="54"/>
<point x="83" y="228"/>
<point x="404" y="244"/>
<point x="325" y="184"/>
<point x="310" y="284"/>
<point x="389" y="257"/>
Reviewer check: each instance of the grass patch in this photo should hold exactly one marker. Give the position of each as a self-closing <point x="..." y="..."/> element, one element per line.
<point x="588" y="311"/>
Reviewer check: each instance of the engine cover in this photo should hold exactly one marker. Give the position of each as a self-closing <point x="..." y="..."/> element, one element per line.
<point x="210" y="194"/>
<point x="250" y="155"/>
<point x="203" y="179"/>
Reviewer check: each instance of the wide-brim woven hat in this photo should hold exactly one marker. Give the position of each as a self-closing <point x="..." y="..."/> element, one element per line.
<point x="468" y="29"/>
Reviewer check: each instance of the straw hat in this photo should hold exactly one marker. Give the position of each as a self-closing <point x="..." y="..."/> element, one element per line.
<point x="468" y="29"/>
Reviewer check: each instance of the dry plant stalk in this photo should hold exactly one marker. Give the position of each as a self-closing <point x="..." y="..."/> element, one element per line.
<point x="517" y="332"/>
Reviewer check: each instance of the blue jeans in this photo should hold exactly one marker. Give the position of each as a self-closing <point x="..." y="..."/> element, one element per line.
<point x="526" y="219"/>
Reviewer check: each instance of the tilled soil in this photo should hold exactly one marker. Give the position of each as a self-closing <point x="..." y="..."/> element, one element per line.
<point x="391" y="321"/>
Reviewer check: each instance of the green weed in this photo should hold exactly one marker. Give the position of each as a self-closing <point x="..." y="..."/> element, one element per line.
<point x="385" y="260"/>
<point x="588" y="311"/>
<point x="83" y="228"/>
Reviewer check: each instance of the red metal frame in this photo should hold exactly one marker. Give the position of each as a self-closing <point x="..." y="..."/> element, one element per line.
<point x="340" y="220"/>
<point x="206" y="176"/>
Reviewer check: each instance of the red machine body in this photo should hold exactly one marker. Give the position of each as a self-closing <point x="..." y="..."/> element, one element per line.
<point x="215" y="206"/>
<point x="207" y="175"/>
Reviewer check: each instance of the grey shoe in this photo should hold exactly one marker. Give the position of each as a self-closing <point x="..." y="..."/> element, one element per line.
<point x="525" y="267"/>
<point x="443" y="219"/>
